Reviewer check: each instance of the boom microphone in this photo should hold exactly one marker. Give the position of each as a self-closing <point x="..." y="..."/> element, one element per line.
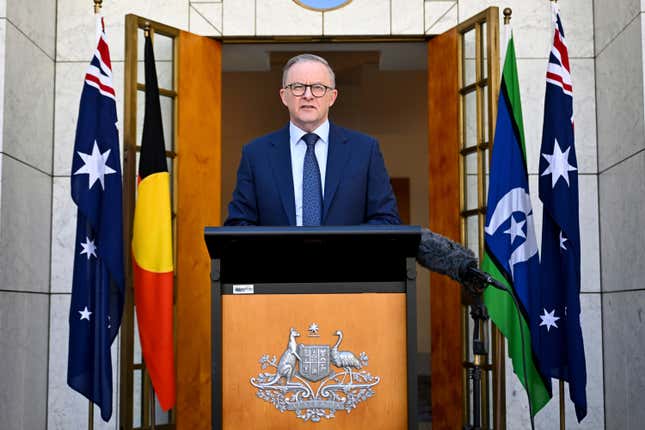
<point x="442" y="255"/>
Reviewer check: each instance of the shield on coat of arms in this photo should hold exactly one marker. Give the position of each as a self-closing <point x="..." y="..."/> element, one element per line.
<point x="314" y="361"/>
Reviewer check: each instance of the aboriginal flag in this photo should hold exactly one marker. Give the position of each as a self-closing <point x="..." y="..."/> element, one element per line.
<point x="152" y="246"/>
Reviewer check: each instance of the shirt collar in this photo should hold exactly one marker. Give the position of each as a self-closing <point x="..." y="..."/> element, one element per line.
<point x="296" y="133"/>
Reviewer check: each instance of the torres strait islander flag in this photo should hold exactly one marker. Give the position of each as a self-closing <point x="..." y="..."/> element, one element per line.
<point x="152" y="246"/>
<point x="511" y="251"/>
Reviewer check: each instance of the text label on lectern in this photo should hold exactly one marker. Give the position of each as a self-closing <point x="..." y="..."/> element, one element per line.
<point x="290" y="387"/>
<point x="243" y="289"/>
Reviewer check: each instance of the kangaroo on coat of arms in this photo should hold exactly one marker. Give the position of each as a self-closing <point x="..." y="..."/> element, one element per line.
<point x="303" y="364"/>
<point x="287" y="364"/>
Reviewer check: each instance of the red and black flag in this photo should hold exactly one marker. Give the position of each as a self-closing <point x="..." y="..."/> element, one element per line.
<point x="152" y="246"/>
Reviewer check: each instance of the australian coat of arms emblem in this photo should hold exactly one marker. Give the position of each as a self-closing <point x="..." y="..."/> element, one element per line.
<point x="314" y="381"/>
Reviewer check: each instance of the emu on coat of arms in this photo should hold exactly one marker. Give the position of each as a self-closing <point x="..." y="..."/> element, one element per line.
<point x="290" y="388"/>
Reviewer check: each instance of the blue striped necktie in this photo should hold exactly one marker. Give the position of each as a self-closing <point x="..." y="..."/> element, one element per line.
<point x="311" y="184"/>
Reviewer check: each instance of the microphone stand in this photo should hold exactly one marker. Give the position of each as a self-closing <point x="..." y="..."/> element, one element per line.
<point x="479" y="315"/>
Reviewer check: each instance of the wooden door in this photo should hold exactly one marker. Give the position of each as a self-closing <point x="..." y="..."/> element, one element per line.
<point x="189" y="70"/>
<point x="463" y="81"/>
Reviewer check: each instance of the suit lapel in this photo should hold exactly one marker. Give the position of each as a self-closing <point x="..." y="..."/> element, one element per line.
<point x="337" y="156"/>
<point x="281" y="164"/>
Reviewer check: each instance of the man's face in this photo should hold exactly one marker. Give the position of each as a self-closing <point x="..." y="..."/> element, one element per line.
<point x="307" y="111"/>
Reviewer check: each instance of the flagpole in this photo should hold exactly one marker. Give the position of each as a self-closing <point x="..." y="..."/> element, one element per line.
<point x="90" y="416"/>
<point x="90" y="404"/>
<point x="508" y="34"/>
<point x="562" y="417"/>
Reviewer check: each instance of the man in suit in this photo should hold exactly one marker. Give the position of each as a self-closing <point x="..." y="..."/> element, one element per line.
<point x="311" y="172"/>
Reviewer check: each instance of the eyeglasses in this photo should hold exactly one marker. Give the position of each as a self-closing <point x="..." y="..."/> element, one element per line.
<point x="299" y="90"/>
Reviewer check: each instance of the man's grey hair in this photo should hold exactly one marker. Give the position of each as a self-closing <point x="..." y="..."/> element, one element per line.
<point x="307" y="57"/>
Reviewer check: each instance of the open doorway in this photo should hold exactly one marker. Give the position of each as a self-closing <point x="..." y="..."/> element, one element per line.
<point x="382" y="92"/>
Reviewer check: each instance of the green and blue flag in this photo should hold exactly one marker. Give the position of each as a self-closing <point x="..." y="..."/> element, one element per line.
<point x="511" y="250"/>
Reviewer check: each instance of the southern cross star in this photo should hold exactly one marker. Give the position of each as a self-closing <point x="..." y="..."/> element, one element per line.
<point x="558" y="164"/>
<point x="562" y="240"/>
<point x="549" y="319"/>
<point x="85" y="314"/>
<point x="95" y="166"/>
<point x="88" y="248"/>
<point x="516" y="229"/>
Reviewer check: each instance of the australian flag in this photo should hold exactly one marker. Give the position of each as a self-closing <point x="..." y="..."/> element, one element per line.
<point x="561" y="351"/>
<point x="98" y="284"/>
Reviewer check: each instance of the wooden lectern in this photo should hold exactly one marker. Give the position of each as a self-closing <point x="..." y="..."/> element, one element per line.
<point x="313" y="327"/>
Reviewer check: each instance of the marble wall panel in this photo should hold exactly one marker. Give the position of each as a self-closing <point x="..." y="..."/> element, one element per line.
<point x="516" y="400"/>
<point x="611" y="18"/>
<point x="75" y="39"/>
<point x="66" y="408"/>
<point x="69" y="85"/>
<point x="238" y="18"/>
<point x="584" y="114"/>
<point x="531" y="23"/>
<point x="63" y="236"/>
<point x="622" y="216"/>
<point x="407" y="16"/>
<point x="360" y="17"/>
<point x="589" y="234"/>
<point x="206" y="19"/>
<point x="623" y="338"/>
<point x="3" y="51"/>
<point x="285" y="17"/>
<point x="3" y="8"/>
<point x="619" y="95"/>
<point x="25" y="228"/>
<point x="29" y="103"/>
<point x="440" y="16"/>
<point x="36" y="19"/>
<point x="23" y="354"/>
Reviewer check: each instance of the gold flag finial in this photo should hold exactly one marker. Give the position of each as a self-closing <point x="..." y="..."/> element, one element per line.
<point x="507" y="15"/>
<point x="146" y="29"/>
<point x="97" y="5"/>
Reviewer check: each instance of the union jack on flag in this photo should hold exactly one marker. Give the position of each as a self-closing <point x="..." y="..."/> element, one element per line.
<point x="98" y="283"/>
<point x="99" y="72"/>
<point x="558" y="71"/>
<point x="560" y="347"/>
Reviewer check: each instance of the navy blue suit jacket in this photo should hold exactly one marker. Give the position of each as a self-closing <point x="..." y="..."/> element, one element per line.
<point x="357" y="186"/>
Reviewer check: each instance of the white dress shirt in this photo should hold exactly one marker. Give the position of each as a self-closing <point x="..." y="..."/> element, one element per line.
<point x="298" y="149"/>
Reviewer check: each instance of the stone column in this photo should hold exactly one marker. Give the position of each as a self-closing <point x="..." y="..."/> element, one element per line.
<point x="27" y="46"/>
<point x="621" y="165"/>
